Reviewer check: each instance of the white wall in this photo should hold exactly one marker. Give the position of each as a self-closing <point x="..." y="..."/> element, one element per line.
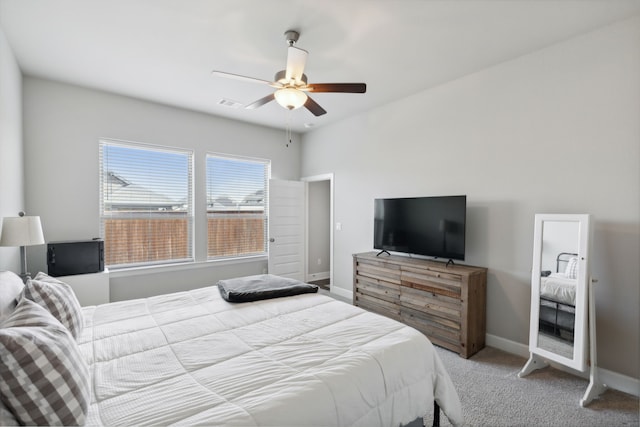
<point x="11" y="164"/>
<point x="556" y="131"/>
<point x="62" y="126"/>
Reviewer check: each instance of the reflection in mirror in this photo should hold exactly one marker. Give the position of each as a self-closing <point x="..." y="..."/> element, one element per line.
<point x="558" y="280"/>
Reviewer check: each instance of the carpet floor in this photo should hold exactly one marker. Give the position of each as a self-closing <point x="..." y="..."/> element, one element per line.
<point x="492" y="395"/>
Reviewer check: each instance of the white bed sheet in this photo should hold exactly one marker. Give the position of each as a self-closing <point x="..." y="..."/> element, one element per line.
<point x="558" y="288"/>
<point x="191" y="358"/>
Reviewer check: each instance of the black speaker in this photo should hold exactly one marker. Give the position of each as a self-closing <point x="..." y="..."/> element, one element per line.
<point x="77" y="257"/>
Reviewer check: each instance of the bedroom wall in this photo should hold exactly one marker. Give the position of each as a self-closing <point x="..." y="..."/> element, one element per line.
<point x="555" y="131"/>
<point x="62" y="126"/>
<point x="11" y="165"/>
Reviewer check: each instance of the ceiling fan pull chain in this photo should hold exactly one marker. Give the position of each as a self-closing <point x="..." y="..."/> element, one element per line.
<point x="288" y="131"/>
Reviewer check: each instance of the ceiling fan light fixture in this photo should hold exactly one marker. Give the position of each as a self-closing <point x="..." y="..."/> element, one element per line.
<point x="290" y="98"/>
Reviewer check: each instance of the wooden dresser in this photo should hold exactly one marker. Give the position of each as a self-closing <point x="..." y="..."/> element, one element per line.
<point x="446" y="303"/>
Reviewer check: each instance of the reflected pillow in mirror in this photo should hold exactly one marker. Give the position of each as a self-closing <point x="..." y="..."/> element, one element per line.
<point x="572" y="268"/>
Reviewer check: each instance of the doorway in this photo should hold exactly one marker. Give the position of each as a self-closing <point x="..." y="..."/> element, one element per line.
<point x="318" y="230"/>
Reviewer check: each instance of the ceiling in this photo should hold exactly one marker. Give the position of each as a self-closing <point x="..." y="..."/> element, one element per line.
<point x="165" y="50"/>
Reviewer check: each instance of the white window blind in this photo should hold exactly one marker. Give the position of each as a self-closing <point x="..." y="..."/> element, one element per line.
<point x="236" y="206"/>
<point x="146" y="204"/>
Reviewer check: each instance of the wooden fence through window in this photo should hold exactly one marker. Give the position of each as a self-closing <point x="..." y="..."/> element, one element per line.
<point x="152" y="240"/>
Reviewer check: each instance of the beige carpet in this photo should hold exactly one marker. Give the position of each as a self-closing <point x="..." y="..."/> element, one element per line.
<point x="492" y="395"/>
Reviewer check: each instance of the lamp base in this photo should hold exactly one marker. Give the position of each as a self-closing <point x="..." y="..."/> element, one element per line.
<point x="24" y="274"/>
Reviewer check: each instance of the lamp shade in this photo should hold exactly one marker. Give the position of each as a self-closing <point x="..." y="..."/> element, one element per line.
<point x="21" y="231"/>
<point x="290" y="98"/>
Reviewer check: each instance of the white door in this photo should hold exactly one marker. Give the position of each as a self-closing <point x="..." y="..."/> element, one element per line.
<point x="286" y="228"/>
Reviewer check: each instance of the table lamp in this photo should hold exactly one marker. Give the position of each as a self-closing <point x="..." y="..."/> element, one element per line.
<point x="22" y="231"/>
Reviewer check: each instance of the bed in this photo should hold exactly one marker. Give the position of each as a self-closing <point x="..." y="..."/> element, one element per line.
<point x="558" y="296"/>
<point x="193" y="358"/>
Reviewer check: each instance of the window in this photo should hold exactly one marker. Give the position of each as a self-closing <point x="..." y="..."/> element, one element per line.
<point x="236" y="206"/>
<point x="146" y="204"/>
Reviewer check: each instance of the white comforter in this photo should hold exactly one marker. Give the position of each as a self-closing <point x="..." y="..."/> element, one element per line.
<point x="192" y="358"/>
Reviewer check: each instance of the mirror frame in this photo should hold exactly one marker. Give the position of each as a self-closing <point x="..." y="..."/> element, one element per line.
<point x="580" y="343"/>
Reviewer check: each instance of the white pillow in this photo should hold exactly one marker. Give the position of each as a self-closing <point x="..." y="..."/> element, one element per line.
<point x="10" y="288"/>
<point x="572" y="268"/>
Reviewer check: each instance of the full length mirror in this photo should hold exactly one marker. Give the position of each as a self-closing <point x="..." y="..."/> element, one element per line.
<point x="559" y="288"/>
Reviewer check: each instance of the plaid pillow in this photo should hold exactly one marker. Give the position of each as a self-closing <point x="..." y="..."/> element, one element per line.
<point x="571" y="271"/>
<point x="6" y="417"/>
<point x="59" y="299"/>
<point x="43" y="378"/>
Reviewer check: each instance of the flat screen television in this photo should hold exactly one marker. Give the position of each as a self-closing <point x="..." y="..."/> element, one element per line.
<point x="429" y="226"/>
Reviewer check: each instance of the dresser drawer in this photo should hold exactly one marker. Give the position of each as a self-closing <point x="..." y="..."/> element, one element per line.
<point x="435" y="304"/>
<point x="378" y="289"/>
<point x="379" y="270"/>
<point x="434" y="282"/>
<point x="380" y="306"/>
<point x="433" y="326"/>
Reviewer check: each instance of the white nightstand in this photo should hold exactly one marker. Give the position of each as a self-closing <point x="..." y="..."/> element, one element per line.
<point x="90" y="289"/>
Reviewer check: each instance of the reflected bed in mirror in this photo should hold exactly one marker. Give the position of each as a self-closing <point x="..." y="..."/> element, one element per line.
<point x="558" y="305"/>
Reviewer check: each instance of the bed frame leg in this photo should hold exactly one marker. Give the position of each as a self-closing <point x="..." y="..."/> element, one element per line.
<point x="436" y="414"/>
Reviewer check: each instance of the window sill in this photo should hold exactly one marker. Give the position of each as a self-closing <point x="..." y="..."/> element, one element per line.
<point x="154" y="269"/>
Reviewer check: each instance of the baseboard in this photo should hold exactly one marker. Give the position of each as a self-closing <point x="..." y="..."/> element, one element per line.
<point x="318" y="276"/>
<point x="509" y="346"/>
<point x="612" y="379"/>
<point x="344" y="293"/>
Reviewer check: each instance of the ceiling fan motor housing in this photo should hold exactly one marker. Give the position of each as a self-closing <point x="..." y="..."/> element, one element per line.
<point x="280" y="77"/>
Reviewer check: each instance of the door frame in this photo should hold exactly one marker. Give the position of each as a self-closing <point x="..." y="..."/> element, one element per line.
<point x="307" y="180"/>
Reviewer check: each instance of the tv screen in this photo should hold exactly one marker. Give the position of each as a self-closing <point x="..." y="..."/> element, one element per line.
<point x="429" y="226"/>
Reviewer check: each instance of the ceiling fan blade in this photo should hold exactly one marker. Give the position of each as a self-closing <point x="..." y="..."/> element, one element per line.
<point x="296" y="60"/>
<point x="260" y="102"/>
<point x="242" y="78"/>
<point x="338" y="87"/>
<point x="314" y="107"/>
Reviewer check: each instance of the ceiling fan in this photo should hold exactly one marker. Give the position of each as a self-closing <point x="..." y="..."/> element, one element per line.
<point x="291" y="84"/>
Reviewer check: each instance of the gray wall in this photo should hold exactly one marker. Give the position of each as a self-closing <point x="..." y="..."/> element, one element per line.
<point x="556" y="131"/>
<point x="62" y="126"/>
<point x="11" y="158"/>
